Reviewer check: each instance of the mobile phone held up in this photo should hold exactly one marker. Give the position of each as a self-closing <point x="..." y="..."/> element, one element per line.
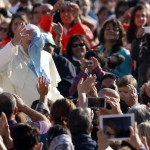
<point x="96" y="103"/>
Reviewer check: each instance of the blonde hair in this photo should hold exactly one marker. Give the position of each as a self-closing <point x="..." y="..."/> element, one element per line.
<point x="144" y="130"/>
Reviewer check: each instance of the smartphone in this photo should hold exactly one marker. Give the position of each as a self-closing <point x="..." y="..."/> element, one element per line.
<point x="147" y="29"/>
<point x="89" y="63"/>
<point x="96" y="102"/>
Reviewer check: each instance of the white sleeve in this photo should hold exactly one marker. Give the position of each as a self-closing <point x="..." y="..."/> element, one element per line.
<point x="7" y="53"/>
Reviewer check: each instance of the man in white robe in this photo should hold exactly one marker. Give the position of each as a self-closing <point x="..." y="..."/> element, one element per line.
<point x="15" y="75"/>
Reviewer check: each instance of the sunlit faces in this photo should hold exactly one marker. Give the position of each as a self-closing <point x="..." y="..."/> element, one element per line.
<point x="111" y="32"/>
<point x="15" y="24"/>
<point x="66" y="15"/>
<point x="125" y="95"/>
<point x="26" y="40"/>
<point x="79" y="49"/>
<point x="140" y="18"/>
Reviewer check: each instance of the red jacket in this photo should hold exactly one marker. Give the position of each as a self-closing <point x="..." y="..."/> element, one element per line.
<point x="79" y="28"/>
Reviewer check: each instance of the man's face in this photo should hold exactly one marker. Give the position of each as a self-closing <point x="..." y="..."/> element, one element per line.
<point x="26" y="40"/>
<point x="109" y="83"/>
<point x="125" y="95"/>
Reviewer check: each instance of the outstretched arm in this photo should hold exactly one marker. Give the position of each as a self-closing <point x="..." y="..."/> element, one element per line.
<point x="8" y="52"/>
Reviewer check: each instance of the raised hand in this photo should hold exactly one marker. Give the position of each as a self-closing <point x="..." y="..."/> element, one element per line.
<point x="5" y="132"/>
<point x="114" y="104"/>
<point x="133" y="93"/>
<point x="19" y="33"/>
<point x="42" y="87"/>
<point x="135" y="140"/>
<point x="58" y="28"/>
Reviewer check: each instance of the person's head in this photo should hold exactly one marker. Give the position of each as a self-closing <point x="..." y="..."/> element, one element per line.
<point x="109" y="80"/>
<point x="77" y="46"/>
<point x="141" y="113"/>
<point x="49" y="43"/>
<point x="103" y="14"/>
<point x="59" y="137"/>
<point x="33" y="32"/>
<point x="60" y="111"/>
<point x="4" y="28"/>
<point x="144" y="130"/>
<point x="124" y="89"/>
<point x="8" y="104"/>
<point x="139" y="16"/>
<point x="113" y="32"/>
<point x="45" y="8"/>
<point x="108" y="92"/>
<point x="15" y="21"/>
<point x="36" y="13"/>
<point x="121" y="7"/>
<point x="85" y="6"/>
<point x="25" y="137"/>
<point x="80" y="122"/>
<point x="67" y="15"/>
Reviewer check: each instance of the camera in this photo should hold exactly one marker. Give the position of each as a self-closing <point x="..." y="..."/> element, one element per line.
<point x="89" y="63"/>
<point x="66" y="3"/>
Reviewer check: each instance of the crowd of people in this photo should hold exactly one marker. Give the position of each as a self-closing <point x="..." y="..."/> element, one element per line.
<point x="56" y="55"/>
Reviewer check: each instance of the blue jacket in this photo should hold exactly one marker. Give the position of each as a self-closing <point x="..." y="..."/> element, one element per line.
<point x="83" y="142"/>
<point x="125" y="67"/>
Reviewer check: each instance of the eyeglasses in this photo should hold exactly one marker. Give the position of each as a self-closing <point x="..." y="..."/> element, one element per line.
<point x="114" y="29"/>
<point x="3" y="29"/>
<point x="76" y="45"/>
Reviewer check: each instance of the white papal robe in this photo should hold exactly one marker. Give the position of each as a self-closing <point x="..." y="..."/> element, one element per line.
<point x="16" y="77"/>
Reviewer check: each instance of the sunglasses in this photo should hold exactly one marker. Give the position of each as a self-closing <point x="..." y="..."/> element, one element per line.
<point x="76" y="45"/>
<point x="3" y="29"/>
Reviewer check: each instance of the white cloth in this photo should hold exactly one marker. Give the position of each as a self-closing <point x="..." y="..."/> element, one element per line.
<point x="16" y="77"/>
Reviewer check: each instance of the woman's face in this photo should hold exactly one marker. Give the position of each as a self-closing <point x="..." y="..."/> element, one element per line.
<point x="140" y="18"/>
<point x="37" y="15"/>
<point x="111" y="32"/>
<point x="15" y="24"/>
<point x="66" y="15"/>
<point x="79" y="49"/>
<point x="3" y="30"/>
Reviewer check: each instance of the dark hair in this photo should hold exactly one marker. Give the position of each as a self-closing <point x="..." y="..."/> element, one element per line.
<point x="109" y="75"/>
<point x="121" y="40"/>
<point x="20" y="16"/>
<point x="35" y="6"/>
<point x="61" y="109"/>
<point x="25" y="137"/>
<point x="98" y="55"/>
<point x="7" y="104"/>
<point x="74" y="38"/>
<point x="131" y="33"/>
<point x="79" y="121"/>
<point x="56" y="130"/>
